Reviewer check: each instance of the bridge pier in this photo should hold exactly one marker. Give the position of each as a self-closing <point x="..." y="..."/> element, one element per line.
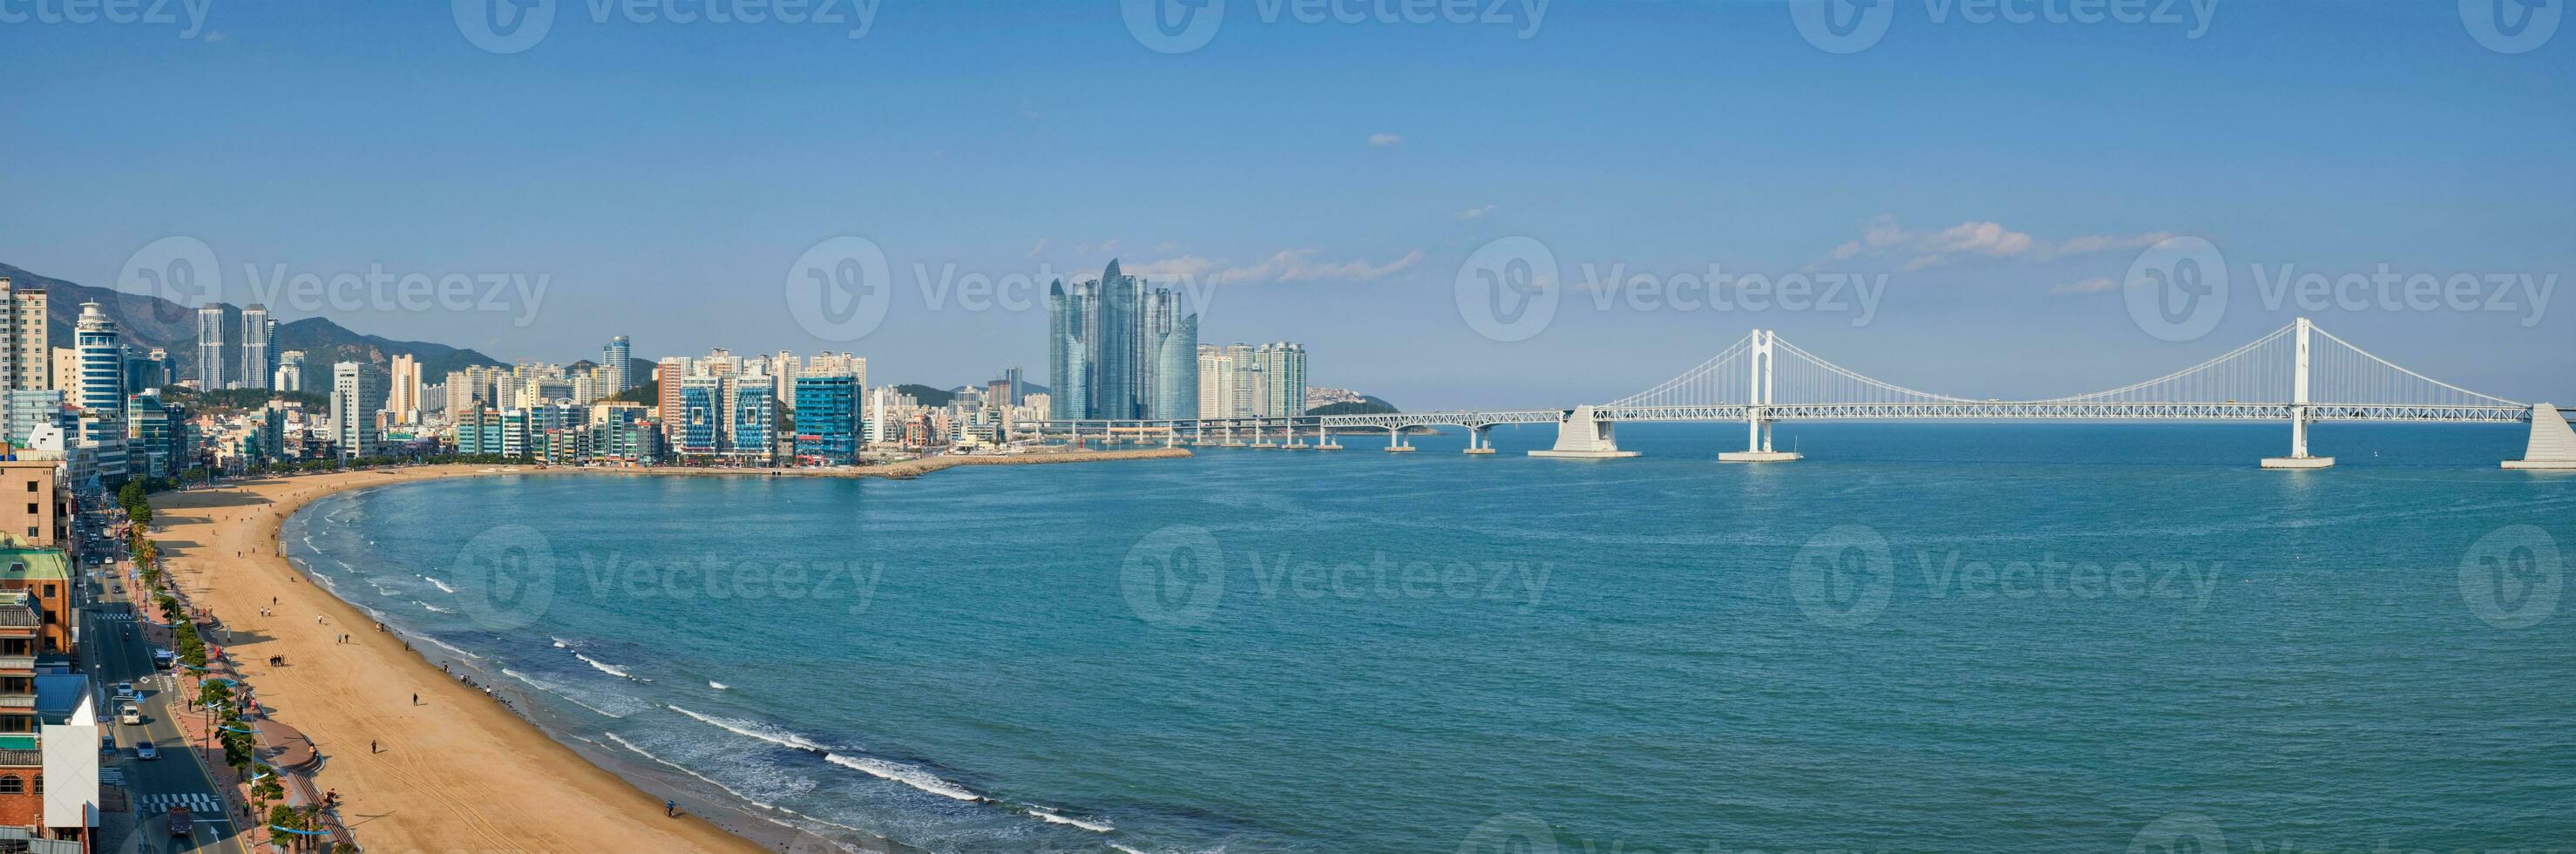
<point x="1395" y="441"/>
<point x="2553" y="445"/>
<point x="1580" y="436"/>
<point x="2299" y="458"/>
<point x="1476" y="444"/>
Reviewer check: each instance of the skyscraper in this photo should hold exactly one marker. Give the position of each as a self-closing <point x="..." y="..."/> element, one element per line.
<point x="1176" y="370"/>
<point x="357" y="394"/>
<point x="26" y="357"/>
<point x="210" y="346"/>
<point x="1283" y="368"/>
<point x="402" y="396"/>
<point x="617" y="366"/>
<point x="1019" y="391"/>
<point x="257" y="334"/>
<point x="827" y="419"/>
<point x="1068" y="373"/>
<point x="101" y="385"/>
<point x="1111" y="345"/>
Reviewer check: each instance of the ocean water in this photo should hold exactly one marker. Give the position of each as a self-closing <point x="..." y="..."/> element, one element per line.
<point x="1941" y="637"/>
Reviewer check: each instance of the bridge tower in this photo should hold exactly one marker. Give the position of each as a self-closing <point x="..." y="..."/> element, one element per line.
<point x="1759" y="388"/>
<point x="2299" y="458"/>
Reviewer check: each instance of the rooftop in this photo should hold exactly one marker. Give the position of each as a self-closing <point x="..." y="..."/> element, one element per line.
<point x="19" y="562"/>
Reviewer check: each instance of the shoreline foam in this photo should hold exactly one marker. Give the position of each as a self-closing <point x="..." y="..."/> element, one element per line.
<point x="492" y="775"/>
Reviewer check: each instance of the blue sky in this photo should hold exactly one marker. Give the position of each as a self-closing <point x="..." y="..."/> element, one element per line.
<point x="1332" y="178"/>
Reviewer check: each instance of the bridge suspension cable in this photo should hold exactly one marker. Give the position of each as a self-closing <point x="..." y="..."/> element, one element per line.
<point x="2265" y="371"/>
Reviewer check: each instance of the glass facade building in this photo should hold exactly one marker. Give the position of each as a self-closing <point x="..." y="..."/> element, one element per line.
<point x="827" y="420"/>
<point x="1108" y="354"/>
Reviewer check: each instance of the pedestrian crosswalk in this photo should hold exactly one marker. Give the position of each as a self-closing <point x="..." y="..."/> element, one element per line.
<point x="117" y="616"/>
<point x="196" y="802"/>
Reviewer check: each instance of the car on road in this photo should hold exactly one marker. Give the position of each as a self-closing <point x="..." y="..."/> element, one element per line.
<point x="145" y="750"/>
<point x="131" y="714"/>
<point x="181" y="823"/>
<point x="125" y="691"/>
<point x="163" y="660"/>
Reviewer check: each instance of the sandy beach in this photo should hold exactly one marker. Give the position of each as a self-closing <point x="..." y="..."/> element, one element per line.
<point x="458" y="771"/>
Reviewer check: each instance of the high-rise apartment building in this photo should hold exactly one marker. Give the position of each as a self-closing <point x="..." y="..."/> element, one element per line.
<point x="258" y="332"/>
<point x="1116" y="350"/>
<point x="402" y="394"/>
<point x="357" y="394"/>
<point x="668" y="405"/>
<point x="827" y="420"/>
<point x="616" y="366"/>
<point x="290" y="371"/>
<point x="1283" y="369"/>
<point x="26" y="356"/>
<point x="100" y="385"/>
<point x="212" y="326"/>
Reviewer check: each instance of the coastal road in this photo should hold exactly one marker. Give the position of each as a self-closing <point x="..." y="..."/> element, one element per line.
<point x="118" y="653"/>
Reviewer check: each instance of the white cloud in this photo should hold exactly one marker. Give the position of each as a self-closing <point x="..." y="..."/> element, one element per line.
<point x="1473" y="213"/>
<point x="1041" y="247"/>
<point x="1382" y="140"/>
<point x="2093" y="285"/>
<point x="1976" y="239"/>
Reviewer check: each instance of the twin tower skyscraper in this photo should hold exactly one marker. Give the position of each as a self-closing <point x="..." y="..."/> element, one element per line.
<point x="1117" y="350"/>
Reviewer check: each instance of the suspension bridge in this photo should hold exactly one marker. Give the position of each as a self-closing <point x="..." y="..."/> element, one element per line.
<point x="2299" y="374"/>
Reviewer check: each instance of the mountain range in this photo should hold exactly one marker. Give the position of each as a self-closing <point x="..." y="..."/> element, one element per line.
<point x="148" y="321"/>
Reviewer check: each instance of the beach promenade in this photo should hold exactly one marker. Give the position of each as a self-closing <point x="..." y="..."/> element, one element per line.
<point x="457" y="771"/>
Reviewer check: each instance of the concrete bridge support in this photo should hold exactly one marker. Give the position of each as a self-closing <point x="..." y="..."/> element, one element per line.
<point x="1395" y="441"/>
<point x="1580" y="436"/>
<point x="1757" y="442"/>
<point x="2299" y="458"/>
<point x="2553" y="445"/>
<point x="1477" y="446"/>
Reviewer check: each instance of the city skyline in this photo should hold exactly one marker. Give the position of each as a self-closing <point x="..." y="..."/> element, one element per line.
<point x="2001" y="234"/>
